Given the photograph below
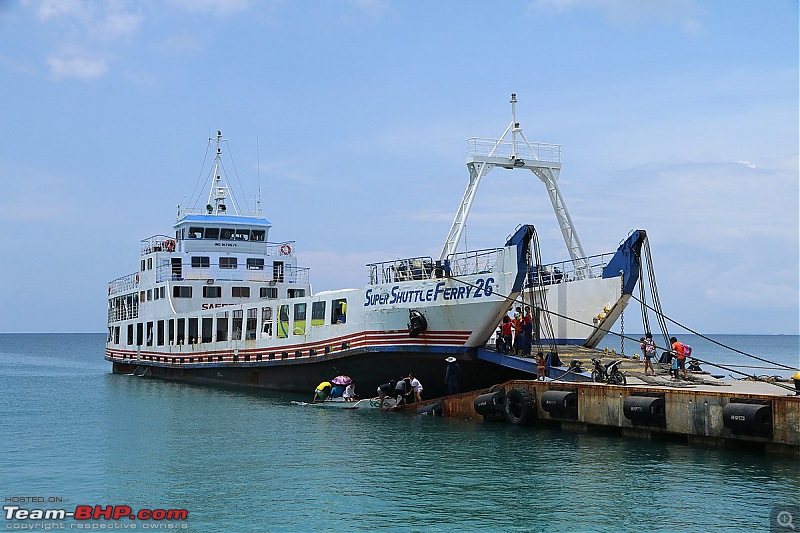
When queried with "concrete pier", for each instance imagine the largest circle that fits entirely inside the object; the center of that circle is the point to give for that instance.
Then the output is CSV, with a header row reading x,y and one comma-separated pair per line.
x,y
722,413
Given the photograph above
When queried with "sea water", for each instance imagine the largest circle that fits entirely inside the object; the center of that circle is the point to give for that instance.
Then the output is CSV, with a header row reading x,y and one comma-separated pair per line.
x,y
73,434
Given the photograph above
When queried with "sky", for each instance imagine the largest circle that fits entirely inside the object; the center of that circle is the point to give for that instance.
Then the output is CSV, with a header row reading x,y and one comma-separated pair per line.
x,y
352,116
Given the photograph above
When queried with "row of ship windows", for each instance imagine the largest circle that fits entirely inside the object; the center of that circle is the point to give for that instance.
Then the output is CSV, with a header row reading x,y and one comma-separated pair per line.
x,y
253,263
214,291
233,325
225,234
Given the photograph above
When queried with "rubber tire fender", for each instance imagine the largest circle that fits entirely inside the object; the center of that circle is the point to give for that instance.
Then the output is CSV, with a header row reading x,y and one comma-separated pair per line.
x,y
520,406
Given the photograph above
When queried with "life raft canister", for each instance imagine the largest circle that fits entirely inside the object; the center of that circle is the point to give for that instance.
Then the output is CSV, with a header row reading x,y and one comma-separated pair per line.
x,y
286,249
416,323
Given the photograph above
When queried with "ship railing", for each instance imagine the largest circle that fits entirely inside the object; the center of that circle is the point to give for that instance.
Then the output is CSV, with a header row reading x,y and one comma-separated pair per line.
x,y
566,271
409,269
419,268
204,211
482,147
289,274
473,262
123,284
156,243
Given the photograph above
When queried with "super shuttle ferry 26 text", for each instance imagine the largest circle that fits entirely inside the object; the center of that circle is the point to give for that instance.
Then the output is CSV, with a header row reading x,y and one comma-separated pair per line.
x,y
398,295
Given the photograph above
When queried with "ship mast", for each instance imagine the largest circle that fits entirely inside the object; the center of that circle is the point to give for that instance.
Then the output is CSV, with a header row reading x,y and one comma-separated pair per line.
x,y
544,160
219,192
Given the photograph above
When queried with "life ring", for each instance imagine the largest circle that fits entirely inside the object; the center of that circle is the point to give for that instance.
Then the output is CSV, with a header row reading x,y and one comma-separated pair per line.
x,y
169,245
286,249
519,407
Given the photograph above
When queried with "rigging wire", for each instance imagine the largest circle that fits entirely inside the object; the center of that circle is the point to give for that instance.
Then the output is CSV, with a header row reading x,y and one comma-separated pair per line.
x,y
721,344
716,365
199,176
238,181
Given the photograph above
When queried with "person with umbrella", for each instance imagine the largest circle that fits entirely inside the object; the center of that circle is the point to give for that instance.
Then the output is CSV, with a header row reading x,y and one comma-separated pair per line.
x,y
339,384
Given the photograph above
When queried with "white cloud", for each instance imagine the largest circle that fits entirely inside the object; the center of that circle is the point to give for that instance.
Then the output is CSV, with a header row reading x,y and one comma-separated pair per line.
x,y
76,67
100,20
218,7
682,13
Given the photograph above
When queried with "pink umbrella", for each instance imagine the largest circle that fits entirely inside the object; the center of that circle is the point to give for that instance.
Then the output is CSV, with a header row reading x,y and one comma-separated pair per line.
x,y
342,380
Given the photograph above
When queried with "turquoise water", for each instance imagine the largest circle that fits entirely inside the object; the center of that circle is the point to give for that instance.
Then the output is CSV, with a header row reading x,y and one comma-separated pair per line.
x,y
251,461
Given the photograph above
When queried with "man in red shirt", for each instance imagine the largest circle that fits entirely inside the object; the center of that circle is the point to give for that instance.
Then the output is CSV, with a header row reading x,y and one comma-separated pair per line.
x,y
677,348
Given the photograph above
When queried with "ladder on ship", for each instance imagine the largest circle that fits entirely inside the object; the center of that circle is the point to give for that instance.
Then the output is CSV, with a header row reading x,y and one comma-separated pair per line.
x,y
509,152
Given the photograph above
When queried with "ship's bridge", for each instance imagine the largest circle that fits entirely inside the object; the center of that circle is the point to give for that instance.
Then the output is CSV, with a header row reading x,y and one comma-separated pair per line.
x,y
223,233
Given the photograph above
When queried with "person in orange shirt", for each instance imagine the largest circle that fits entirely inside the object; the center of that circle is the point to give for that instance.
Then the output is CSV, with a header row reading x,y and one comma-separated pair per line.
x,y
677,347
505,329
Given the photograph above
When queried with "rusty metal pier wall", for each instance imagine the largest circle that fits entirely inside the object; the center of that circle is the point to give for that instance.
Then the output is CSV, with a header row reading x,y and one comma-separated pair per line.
x,y
734,416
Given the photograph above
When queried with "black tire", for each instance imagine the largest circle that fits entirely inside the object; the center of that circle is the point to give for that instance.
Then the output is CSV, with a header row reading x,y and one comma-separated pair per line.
x,y
519,407
619,378
596,377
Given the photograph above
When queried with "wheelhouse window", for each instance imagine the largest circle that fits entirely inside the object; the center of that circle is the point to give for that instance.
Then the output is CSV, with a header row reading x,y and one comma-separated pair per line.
x,y
339,311
240,292
228,262
299,319
212,291
317,313
257,235
268,292
179,291
201,262
206,327
237,325
226,234
222,326
195,233
212,233
266,322
254,263
283,321
242,235
252,323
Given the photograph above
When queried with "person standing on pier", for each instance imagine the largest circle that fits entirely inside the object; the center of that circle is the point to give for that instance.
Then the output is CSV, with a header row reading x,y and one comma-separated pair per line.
x,y
541,370
680,356
505,329
648,347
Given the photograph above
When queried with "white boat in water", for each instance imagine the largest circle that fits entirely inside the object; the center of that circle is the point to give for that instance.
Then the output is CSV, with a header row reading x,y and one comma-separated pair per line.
x,y
341,403
217,302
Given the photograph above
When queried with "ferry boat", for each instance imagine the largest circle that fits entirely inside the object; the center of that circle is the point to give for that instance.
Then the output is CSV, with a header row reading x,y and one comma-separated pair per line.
x,y
217,302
